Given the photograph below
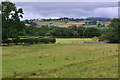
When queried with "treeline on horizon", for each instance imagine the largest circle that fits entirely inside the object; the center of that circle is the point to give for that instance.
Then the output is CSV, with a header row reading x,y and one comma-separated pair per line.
x,y
74,19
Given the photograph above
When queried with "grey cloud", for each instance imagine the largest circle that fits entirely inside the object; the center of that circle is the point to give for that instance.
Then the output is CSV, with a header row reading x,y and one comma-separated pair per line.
x,y
68,9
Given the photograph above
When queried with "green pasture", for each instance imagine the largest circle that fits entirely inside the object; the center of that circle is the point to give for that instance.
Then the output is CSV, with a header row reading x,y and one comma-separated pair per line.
x,y
67,58
51,23
90,25
72,40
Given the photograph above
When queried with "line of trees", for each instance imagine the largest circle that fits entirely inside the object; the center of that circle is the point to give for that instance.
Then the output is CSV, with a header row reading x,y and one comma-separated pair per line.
x,y
77,19
70,32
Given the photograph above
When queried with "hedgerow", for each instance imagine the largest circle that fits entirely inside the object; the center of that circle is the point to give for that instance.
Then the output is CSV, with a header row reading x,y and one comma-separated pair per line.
x,y
30,40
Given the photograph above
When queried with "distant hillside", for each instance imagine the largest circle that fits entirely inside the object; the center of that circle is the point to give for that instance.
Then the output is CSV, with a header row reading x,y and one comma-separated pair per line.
x,y
98,18
75,19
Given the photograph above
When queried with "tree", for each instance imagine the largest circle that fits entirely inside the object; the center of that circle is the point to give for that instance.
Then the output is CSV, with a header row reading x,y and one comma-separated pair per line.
x,y
114,31
86,23
92,32
11,24
73,31
99,25
75,34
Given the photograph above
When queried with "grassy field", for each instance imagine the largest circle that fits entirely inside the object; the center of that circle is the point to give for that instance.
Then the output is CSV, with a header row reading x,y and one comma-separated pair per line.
x,y
51,23
68,58
90,25
55,23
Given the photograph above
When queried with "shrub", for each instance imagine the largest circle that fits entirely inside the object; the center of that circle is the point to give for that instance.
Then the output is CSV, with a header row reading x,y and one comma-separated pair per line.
x,y
40,36
7,41
95,38
16,40
52,40
45,40
103,37
32,40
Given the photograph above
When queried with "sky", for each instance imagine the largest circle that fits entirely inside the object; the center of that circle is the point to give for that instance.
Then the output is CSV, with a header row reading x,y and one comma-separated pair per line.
x,y
39,10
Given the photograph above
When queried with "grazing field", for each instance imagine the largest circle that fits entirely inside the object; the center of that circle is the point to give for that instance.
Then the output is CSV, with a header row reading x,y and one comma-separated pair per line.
x,y
68,58
90,25
51,23
56,23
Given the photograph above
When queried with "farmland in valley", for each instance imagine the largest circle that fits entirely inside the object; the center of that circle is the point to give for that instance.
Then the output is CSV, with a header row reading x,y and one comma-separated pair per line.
x,y
67,58
66,23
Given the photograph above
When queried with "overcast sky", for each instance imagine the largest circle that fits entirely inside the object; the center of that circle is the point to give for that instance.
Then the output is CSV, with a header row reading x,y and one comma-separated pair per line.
x,y
40,10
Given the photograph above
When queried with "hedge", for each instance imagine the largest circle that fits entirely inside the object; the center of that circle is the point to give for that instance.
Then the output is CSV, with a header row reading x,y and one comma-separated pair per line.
x,y
30,40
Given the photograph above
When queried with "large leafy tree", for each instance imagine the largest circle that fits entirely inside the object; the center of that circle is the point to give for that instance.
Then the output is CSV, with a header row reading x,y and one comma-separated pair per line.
x,y
114,30
11,24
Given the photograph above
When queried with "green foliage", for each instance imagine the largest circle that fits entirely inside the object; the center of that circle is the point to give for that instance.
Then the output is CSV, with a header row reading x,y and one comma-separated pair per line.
x,y
92,32
51,39
30,40
6,41
104,30
35,31
114,31
59,32
99,24
73,30
48,40
95,38
11,25
104,37
62,32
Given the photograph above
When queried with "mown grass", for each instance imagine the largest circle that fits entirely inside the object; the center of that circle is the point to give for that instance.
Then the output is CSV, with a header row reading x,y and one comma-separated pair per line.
x,y
67,58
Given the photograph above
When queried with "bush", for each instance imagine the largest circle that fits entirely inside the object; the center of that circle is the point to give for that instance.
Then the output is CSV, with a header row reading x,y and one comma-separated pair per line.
x,y
52,40
40,36
95,38
31,40
45,40
103,37
22,36
6,41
